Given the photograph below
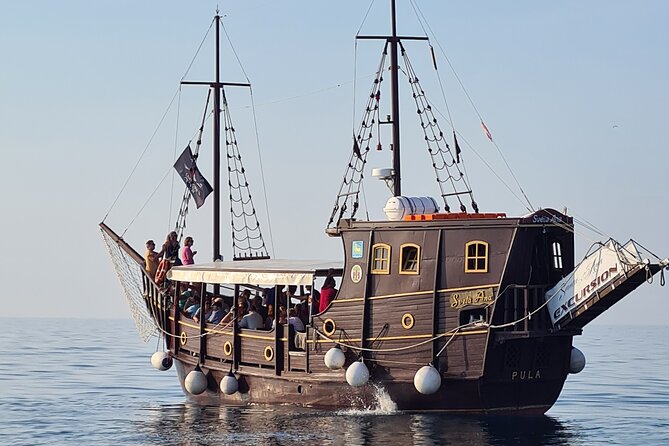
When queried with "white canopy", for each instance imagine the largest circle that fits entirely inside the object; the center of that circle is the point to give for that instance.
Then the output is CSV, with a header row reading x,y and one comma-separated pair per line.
x,y
267,272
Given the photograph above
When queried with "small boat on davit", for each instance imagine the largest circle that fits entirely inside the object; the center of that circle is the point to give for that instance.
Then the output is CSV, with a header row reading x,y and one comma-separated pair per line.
x,y
440,310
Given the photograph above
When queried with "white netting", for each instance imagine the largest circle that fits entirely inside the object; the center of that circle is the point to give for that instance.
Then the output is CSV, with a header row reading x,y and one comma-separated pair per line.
x,y
130,275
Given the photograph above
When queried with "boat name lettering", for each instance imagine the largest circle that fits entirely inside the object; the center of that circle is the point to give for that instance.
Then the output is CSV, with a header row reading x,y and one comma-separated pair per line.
x,y
546,219
525,375
585,293
473,297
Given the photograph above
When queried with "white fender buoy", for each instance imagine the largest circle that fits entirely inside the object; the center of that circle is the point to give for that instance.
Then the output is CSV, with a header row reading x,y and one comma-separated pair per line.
x,y
427,380
357,374
161,360
229,384
196,381
576,360
334,358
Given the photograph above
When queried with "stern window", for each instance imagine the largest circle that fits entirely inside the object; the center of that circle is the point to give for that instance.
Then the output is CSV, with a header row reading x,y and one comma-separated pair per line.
x,y
557,255
476,257
409,259
381,258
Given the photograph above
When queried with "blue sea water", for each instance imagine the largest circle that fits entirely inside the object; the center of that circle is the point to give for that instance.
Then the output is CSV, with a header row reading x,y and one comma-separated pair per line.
x,y
69,381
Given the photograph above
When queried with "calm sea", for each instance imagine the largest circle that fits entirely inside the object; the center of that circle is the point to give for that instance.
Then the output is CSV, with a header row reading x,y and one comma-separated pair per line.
x,y
65,382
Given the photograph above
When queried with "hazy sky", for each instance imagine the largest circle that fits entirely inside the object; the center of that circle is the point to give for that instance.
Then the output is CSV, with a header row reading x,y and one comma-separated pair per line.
x,y
575,94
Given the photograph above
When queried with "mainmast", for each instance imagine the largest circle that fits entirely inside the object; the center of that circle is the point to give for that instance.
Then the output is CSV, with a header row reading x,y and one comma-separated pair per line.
x,y
395,100
394,41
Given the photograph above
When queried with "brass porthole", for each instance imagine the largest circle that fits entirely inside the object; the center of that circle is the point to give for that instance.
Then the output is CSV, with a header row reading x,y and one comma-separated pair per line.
x,y
227,348
183,338
407,321
329,327
268,353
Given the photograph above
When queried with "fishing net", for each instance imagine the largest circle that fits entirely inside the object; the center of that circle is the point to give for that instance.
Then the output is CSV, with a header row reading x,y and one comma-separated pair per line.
x,y
130,275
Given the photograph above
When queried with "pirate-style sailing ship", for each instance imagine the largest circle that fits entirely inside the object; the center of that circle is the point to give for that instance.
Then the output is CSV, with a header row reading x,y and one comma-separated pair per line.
x,y
453,311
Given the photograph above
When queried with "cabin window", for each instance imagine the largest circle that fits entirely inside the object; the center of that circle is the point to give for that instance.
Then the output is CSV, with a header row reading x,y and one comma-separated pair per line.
x,y
472,316
381,258
476,257
557,255
409,258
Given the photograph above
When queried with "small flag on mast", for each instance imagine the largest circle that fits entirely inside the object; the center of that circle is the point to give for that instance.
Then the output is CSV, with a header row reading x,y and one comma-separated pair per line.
x,y
457,148
485,129
356,148
188,171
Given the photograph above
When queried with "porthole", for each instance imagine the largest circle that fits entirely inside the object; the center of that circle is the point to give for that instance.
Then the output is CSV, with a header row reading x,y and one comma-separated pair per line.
x,y
183,338
407,321
329,327
268,353
227,348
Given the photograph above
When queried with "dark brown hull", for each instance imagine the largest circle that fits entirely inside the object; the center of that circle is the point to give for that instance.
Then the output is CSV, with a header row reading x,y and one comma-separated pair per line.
x,y
511,391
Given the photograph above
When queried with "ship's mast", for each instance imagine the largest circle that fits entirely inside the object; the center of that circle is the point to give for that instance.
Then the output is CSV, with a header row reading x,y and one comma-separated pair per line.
x,y
394,82
217,86
216,251
394,41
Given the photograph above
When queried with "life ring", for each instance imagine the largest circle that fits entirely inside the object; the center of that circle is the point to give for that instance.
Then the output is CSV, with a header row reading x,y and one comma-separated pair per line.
x,y
227,348
329,327
408,321
268,353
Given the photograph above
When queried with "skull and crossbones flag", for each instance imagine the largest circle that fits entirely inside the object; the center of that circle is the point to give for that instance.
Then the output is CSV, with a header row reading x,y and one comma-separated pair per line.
x,y
187,168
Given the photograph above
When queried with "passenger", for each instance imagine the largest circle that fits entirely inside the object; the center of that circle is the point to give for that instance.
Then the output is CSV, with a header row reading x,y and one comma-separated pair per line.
x,y
192,304
268,296
252,320
187,253
295,321
257,301
217,312
302,311
314,295
282,317
207,311
244,297
183,299
269,320
192,310
151,259
171,249
328,292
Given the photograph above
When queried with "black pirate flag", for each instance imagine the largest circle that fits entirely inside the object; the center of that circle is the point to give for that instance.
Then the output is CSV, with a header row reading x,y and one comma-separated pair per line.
x,y
188,171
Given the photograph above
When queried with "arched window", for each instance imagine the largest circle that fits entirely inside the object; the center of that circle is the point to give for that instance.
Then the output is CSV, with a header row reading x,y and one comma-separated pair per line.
x,y
381,258
557,255
476,257
409,259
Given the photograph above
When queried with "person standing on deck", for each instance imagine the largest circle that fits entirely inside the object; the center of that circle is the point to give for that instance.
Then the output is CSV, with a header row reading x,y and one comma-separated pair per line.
x,y
187,253
328,292
171,249
151,259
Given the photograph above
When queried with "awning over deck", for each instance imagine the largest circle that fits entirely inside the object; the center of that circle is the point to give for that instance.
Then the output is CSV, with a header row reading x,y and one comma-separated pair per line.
x,y
268,272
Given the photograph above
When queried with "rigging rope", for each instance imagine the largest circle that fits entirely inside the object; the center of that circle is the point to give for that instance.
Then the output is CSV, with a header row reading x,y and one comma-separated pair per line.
x,y
176,142
160,122
262,175
244,221
421,18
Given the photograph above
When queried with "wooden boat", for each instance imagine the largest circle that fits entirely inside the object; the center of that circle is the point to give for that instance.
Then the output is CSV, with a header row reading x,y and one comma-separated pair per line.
x,y
436,311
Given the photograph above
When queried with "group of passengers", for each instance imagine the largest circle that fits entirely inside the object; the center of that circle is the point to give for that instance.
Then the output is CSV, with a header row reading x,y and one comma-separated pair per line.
x,y
256,312
158,263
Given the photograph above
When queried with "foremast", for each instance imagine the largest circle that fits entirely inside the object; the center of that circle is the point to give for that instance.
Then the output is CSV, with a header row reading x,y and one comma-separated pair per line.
x,y
241,204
